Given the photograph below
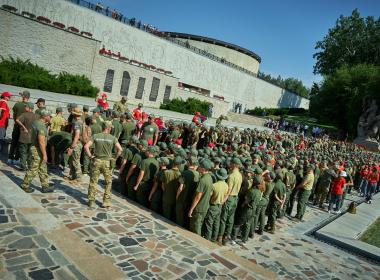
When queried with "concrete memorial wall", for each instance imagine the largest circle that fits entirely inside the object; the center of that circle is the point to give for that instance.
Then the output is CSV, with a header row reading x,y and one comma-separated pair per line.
x,y
59,50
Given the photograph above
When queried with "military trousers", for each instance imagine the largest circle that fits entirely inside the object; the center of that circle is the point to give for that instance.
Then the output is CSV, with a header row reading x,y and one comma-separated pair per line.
x,y
168,210
260,216
142,194
244,224
228,215
156,202
25,155
292,199
100,166
196,222
181,210
13,149
273,209
321,195
212,222
37,167
74,162
303,198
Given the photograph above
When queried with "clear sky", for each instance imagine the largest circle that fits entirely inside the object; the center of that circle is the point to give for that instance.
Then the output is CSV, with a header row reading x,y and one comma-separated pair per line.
x,y
282,32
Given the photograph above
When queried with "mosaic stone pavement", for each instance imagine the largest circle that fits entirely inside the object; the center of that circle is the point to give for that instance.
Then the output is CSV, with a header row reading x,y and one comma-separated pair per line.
x,y
293,255
27,254
142,248
145,248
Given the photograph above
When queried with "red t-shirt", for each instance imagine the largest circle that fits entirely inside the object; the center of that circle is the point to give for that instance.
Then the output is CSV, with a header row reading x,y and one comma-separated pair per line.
x,y
137,113
4,113
195,120
373,178
103,104
338,184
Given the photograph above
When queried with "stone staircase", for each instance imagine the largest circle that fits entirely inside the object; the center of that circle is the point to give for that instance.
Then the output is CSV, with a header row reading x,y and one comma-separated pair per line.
x,y
246,119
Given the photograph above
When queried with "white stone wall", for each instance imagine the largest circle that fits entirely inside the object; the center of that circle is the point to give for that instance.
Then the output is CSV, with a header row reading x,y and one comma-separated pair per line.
x,y
102,64
49,47
73,57
233,56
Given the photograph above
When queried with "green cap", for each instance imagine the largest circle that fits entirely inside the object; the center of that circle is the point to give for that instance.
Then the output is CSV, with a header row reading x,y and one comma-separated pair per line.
x,y
236,161
206,164
45,113
221,174
164,160
29,104
86,108
107,124
178,160
194,161
116,114
163,146
257,180
58,110
151,149
144,143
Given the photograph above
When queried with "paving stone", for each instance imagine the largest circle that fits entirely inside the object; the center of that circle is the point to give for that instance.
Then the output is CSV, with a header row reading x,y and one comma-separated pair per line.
x,y
58,258
20,275
25,230
56,211
22,266
63,274
44,258
23,243
126,241
78,275
42,274
19,260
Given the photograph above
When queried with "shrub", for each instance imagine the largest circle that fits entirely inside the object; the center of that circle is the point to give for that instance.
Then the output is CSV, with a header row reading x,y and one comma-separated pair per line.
x,y
26,74
189,106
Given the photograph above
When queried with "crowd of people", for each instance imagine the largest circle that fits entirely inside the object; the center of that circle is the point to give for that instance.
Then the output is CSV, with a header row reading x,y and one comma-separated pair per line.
x,y
294,127
222,183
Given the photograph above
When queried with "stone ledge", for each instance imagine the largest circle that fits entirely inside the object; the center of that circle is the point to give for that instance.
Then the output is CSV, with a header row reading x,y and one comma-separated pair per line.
x,y
345,231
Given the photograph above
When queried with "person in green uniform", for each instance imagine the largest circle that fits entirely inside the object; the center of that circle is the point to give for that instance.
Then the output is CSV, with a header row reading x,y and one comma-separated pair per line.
x,y
102,163
117,127
295,192
243,222
86,114
263,204
218,196
201,201
25,121
95,126
290,183
40,105
128,127
150,131
134,169
121,106
276,202
57,122
234,182
170,184
39,157
305,191
148,170
155,196
128,152
323,185
18,109
75,149
186,191
97,114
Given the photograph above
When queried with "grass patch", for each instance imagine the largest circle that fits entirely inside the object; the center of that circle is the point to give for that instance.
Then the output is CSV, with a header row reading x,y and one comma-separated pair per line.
x,y
372,234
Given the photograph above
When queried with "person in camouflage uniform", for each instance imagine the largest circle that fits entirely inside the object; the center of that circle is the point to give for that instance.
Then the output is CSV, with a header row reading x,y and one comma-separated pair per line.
x,y
39,157
121,106
75,149
102,163
276,202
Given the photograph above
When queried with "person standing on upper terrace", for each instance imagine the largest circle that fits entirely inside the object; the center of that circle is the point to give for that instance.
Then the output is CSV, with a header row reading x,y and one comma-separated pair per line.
x,y
102,102
4,116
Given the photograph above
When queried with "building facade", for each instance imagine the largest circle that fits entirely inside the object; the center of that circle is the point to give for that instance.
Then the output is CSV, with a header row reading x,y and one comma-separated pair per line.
x,y
126,61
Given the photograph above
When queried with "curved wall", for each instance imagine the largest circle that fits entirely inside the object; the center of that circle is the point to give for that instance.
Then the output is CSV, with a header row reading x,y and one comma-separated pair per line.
x,y
230,55
187,66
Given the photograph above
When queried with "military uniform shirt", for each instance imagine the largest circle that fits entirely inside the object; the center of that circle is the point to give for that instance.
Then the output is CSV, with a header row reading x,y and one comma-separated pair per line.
x,y
205,187
219,191
103,144
18,109
38,129
128,129
95,129
117,128
149,130
189,178
234,182
269,186
170,183
150,167
279,189
27,120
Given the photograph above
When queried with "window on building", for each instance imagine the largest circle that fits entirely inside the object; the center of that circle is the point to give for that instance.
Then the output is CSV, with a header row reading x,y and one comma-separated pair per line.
x,y
168,89
109,80
140,88
154,90
126,80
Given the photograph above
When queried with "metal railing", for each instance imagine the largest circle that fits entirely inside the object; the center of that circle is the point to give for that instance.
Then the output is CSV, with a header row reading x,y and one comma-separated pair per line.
x,y
154,31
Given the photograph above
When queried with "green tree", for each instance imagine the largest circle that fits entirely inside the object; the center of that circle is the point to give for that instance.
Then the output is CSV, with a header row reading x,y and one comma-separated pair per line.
x,y
351,41
340,97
